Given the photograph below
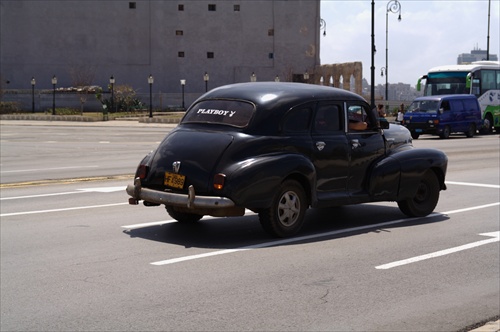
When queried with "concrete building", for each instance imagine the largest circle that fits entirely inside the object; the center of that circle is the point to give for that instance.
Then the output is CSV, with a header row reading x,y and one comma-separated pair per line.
x,y
475,55
86,42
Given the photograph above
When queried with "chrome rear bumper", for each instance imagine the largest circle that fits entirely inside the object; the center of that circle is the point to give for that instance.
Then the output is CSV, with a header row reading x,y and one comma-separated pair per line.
x,y
190,201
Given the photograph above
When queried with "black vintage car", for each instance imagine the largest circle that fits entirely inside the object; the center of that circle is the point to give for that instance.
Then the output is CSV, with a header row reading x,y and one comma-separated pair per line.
x,y
278,149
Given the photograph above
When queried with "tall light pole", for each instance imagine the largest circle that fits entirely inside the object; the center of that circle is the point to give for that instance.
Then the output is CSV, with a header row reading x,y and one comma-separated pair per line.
x,y
112,84
206,78
33,82
54,82
393,6
150,81
183,83
372,68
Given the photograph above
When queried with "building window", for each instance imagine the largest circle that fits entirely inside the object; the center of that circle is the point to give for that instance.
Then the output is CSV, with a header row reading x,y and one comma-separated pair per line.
x,y
131,5
236,8
211,7
270,32
271,55
179,32
180,54
210,55
180,8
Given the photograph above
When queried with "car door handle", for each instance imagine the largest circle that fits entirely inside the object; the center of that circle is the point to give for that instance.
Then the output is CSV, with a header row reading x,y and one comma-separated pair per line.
x,y
320,145
355,143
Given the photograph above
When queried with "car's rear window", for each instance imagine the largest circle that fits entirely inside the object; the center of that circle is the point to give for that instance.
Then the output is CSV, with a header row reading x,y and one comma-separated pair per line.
x,y
234,113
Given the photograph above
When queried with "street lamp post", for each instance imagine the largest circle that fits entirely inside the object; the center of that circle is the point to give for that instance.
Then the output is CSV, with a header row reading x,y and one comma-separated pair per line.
x,y
183,83
306,77
54,82
393,6
372,67
150,81
33,82
112,84
322,26
206,78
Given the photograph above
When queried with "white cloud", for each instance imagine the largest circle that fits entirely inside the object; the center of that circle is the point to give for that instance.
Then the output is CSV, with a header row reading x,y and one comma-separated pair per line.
x,y
431,33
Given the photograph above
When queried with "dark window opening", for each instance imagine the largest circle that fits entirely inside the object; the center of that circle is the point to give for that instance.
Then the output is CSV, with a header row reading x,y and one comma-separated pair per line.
x,y
271,55
210,55
211,7
236,8
180,8
179,32
270,32
180,54
131,5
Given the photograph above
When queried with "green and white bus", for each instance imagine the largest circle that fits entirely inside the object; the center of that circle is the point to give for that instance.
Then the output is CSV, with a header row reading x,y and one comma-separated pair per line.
x,y
481,78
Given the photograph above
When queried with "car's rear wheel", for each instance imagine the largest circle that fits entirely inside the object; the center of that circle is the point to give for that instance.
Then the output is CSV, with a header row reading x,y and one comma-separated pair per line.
x,y
414,135
425,199
285,217
446,132
471,131
183,216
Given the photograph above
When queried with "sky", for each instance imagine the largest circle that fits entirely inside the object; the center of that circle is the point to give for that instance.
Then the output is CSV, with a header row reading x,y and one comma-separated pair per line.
x,y
430,34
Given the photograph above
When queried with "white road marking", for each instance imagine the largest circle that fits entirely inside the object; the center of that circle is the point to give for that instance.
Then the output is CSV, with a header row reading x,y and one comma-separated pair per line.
x,y
495,238
79,191
162,222
495,186
59,210
313,236
47,169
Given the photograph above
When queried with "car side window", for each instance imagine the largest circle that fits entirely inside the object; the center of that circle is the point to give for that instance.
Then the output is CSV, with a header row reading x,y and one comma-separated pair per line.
x,y
358,118
297,120
327,119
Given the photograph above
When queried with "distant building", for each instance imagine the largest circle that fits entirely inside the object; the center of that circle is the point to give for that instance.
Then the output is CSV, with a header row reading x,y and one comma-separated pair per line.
x,y
475,55
87,42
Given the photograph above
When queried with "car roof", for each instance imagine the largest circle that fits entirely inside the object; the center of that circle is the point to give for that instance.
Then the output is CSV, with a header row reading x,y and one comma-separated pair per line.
x,y
273,99
272,94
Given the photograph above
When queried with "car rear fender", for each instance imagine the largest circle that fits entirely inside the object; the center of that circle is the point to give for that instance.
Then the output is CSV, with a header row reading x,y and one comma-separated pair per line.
x,y
252,183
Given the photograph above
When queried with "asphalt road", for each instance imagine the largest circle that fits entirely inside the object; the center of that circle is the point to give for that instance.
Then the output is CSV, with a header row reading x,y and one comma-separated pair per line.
x,y
76,257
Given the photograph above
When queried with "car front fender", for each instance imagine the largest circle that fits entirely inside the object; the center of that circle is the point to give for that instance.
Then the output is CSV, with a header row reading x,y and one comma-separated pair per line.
x,y
397,176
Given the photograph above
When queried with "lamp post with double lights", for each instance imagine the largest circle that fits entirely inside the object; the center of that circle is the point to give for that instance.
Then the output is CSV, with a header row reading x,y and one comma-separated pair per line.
x,y
393,6
54,82
206,78
150,81
183,83
33,82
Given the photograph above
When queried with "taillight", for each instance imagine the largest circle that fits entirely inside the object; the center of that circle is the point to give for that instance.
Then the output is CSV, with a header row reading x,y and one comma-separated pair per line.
x,y
219,180
142,171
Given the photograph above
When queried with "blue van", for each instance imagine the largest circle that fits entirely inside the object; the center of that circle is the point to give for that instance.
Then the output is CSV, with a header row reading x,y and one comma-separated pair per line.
x,y
443,115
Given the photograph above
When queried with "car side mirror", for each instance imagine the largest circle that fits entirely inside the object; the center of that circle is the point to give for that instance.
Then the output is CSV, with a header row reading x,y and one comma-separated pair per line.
x,y
384,124
441,110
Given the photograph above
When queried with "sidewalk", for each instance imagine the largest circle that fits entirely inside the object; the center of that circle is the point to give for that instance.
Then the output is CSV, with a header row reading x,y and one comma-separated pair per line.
x,y
110,123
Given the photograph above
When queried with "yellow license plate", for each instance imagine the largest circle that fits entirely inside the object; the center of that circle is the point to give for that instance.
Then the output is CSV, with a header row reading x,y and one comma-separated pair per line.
x,y
174,180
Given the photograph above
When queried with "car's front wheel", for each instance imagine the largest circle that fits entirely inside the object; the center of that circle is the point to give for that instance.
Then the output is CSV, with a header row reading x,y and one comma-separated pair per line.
x,y
183,216
285,217
425,199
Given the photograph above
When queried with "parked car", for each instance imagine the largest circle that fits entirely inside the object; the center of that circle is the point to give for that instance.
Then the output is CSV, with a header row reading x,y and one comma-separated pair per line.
x,y
443,115
280,148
